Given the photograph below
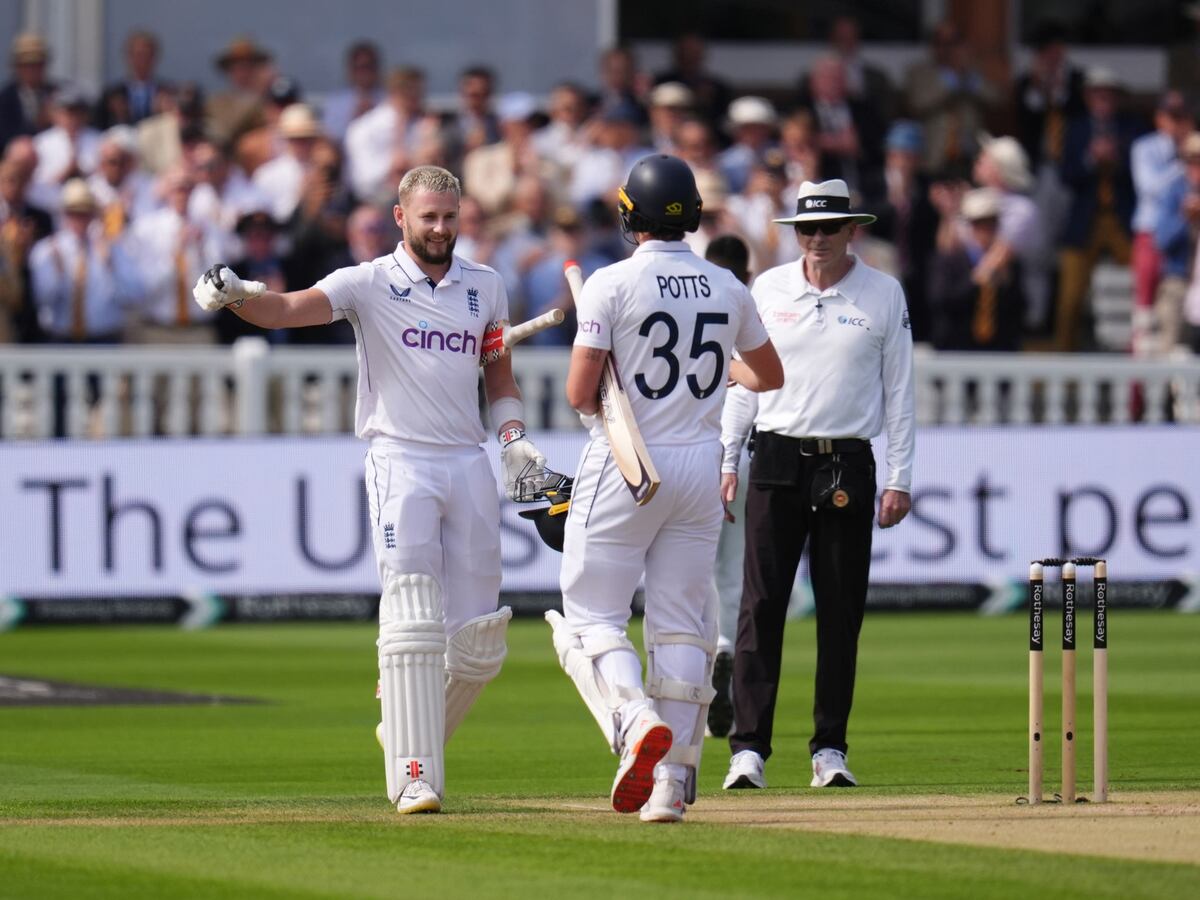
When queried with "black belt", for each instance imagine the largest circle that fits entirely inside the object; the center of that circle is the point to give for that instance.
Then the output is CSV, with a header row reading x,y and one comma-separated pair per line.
x,y
824,446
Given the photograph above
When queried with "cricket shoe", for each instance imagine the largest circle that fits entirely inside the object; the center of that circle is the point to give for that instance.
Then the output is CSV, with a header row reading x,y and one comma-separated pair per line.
x,y
419,797
666,802
829,769
720,711
745,771
647,741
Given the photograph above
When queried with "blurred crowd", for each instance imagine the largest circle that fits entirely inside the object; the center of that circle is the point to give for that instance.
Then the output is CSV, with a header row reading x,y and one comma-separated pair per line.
x,y
996,203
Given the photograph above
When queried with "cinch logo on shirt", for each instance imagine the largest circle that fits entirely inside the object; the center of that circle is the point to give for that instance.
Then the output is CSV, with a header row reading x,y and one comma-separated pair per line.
x,y
591,326
400,295
425,338
850,320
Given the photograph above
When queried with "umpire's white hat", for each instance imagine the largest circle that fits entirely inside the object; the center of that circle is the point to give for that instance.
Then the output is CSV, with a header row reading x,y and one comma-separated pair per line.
x,y
825,200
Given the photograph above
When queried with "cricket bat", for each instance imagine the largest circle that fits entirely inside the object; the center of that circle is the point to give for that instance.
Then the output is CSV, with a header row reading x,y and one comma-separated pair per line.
x,y
499,337
624,437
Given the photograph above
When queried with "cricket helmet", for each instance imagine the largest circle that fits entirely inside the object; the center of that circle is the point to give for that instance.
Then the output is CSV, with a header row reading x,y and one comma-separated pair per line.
x,y
660,193
550,521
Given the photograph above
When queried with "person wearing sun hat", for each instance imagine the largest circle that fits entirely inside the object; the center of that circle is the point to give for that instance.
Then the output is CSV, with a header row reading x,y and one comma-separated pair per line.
x,y
842,330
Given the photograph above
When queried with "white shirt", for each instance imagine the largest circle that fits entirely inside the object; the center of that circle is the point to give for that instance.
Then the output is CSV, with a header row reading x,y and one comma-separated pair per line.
x,y
55,151
847,359
153,243
670,319
111,284
337,110
136,193
372,141
281,180
418,346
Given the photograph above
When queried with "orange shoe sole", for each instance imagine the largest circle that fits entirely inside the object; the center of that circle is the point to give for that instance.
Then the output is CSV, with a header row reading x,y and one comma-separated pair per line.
x,y
633,786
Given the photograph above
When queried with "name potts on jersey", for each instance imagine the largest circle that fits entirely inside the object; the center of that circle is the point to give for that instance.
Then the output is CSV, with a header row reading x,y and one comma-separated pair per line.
x,y
422,337
683,286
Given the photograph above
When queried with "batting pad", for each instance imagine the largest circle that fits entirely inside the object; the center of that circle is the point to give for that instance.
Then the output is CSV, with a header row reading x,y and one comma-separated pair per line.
x,y
603,700
412,675
474,656
683,655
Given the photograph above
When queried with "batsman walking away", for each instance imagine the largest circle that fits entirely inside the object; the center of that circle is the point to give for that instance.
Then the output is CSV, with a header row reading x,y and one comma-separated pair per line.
x,y
669,320
425,319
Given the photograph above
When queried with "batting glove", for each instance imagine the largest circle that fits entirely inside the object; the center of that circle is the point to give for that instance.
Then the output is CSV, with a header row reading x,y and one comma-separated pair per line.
x,y
516,453
220,287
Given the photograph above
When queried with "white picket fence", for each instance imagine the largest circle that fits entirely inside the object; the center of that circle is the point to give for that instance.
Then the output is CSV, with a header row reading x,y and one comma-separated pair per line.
x,y
254,388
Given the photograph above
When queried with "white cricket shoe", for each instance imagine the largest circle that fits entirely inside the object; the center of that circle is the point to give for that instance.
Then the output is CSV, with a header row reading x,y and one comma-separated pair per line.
x,y
829,769
666,802
646,742
419,797
745,771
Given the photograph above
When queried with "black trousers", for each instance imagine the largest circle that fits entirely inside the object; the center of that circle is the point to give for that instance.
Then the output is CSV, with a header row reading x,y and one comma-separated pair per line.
x,y
780,519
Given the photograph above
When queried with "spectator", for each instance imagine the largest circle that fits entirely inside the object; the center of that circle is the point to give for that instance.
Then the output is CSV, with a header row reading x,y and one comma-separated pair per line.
x,y
369,235
950,98
473,124
475,238
1156,164
162,138
282,91
223,193
135,98
21,225
239,108
621,85
973,308
764,199
751,124
122,191
490,172
544,287
715,218
281,179
25,101
712,95
363,93
670,103
1096,168
618,146
1003,167
906,219
68,149
865,83
83,285
261,261
522,235
801,153
1175,237
697,145
564,139
847,132
382,142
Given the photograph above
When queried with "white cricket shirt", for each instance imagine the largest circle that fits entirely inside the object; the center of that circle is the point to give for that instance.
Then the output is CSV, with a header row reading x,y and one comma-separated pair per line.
x,y
670,320
418,345
847,360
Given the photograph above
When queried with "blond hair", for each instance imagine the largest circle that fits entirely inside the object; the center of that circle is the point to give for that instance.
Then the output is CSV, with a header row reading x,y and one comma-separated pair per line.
x,y
428,178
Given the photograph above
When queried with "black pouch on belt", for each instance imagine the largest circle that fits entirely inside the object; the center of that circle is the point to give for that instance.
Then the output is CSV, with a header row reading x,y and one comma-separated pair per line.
x,y
830,488
776,460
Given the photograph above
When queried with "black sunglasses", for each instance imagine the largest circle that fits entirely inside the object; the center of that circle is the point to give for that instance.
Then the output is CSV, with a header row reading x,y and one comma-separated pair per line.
x,y
827,226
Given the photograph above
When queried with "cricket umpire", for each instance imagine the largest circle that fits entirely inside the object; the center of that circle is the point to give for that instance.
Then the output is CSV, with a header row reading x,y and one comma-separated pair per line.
x,y
843,334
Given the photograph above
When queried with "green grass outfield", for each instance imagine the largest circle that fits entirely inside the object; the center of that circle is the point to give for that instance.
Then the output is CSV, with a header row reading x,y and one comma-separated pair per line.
x,y
285,799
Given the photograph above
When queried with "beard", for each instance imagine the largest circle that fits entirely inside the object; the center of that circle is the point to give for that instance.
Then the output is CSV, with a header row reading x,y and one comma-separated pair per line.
x,y
425,253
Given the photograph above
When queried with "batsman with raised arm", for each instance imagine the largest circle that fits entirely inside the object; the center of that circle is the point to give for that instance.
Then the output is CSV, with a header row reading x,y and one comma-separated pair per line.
x,y
423,317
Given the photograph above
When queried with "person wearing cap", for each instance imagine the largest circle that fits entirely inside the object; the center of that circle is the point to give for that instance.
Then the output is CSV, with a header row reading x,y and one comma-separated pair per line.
x,y
134,98
842,330
1096,169
384,140
363,91
70,147
971,308
83,285
905,218
670,102
1175,237
1156,164
281,179
490,172
25,101
751,123
239,108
